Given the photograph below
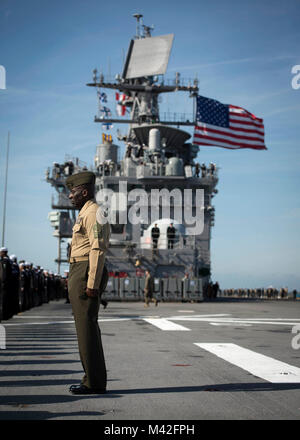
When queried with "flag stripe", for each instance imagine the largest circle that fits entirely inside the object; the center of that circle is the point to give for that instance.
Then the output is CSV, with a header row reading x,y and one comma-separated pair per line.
x,y
245,115
236,133
242,130
228,138
234,108
246,123
246,128
245,144
215,143
235,126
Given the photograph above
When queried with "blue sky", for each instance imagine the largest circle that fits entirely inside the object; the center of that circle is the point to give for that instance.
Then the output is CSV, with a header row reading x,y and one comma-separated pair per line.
x,y
242,53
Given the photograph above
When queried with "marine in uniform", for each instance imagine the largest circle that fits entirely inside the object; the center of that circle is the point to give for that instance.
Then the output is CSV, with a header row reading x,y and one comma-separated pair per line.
x,y
149,289
87,272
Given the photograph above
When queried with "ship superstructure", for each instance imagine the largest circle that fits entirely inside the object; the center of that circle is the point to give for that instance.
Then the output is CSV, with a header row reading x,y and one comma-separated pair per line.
x,y
159,160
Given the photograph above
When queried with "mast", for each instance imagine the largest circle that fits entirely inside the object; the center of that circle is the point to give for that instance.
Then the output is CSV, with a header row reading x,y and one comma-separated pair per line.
x,y
142,80
138,17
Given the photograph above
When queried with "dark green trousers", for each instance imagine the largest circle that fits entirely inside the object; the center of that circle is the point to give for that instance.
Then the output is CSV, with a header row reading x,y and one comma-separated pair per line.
x,y
85,311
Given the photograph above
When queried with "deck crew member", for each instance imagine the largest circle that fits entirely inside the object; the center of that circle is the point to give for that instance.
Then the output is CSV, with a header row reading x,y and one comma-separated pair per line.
x,y
171,232
90,241
155,233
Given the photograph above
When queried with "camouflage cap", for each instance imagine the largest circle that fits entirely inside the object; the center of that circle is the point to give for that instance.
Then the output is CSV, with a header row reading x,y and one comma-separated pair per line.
x,y
80,179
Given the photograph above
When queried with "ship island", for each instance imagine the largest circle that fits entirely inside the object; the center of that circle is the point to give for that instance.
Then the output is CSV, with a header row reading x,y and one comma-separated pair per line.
x,y
160,162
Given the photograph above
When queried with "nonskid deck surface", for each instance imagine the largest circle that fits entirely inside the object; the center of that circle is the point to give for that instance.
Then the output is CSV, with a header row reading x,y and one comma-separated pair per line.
x,y
177,361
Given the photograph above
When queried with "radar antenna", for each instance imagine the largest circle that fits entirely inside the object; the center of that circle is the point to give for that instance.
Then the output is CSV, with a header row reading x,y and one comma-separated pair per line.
x,y
147,30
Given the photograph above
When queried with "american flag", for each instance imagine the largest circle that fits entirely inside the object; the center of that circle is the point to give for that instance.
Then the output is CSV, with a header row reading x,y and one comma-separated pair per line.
x,y
227,126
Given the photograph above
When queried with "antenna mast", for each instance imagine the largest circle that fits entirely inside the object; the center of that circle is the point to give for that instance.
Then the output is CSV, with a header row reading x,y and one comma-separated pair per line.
x,y
138,17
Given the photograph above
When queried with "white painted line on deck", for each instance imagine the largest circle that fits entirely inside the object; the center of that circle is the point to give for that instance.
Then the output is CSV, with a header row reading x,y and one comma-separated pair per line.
x,y
165,324
60,322
198,317
21,324
272,319
230,324
40,316
234,321
257,364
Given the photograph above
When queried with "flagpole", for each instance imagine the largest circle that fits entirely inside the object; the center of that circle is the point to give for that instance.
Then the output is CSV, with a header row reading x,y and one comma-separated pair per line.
x,y
5,191
196,83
